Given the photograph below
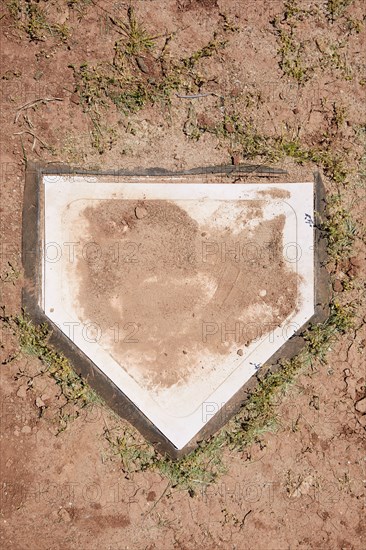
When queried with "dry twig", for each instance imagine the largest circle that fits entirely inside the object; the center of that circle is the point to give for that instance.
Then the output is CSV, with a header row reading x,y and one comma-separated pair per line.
x,y
33,103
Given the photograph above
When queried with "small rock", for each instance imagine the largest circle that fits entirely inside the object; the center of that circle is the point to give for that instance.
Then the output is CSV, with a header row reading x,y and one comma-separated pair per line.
x,y
142,65
140,212
262,293
240,352
74,98
151,496
229,127
149,66
236,91
360,406
38,75
235,159
26,430
331,267
337,286
45,397
296,111
40,403
124,226
362,420
22,392
204,121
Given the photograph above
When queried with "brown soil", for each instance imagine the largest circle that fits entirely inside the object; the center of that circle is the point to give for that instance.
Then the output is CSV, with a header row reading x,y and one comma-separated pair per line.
x,y
178,289
301,486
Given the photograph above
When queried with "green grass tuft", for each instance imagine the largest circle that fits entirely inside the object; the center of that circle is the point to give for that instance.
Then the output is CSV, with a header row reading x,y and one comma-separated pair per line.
x,y
339,229
31,18
33,340
135,77
336,8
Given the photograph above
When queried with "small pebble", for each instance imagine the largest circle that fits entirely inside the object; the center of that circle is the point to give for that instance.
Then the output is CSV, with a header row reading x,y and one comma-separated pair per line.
x,y
74,98
26,430
262,293
361,405
124,226
362,421
240,352
337,286
22,392
235,159
229,127
140,212
40,403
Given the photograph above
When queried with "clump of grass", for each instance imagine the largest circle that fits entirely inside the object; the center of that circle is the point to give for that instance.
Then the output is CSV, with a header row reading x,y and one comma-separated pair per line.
x,y
135,77
320,337
243,135
31,18
78,3
339,229
11,274
33,340
258,414
135,38
103,137
135,453
291,56
291,10
353,25
291,51
196,470
337,59
336,8
213,46
339,115
331,162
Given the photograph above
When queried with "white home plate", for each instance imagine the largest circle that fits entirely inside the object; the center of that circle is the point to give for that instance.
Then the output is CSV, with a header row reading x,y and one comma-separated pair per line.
x,y
178,292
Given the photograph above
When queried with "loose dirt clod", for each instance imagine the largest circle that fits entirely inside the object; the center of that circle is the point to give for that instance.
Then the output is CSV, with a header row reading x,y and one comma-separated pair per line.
x,y
361,405
22,392
40,403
